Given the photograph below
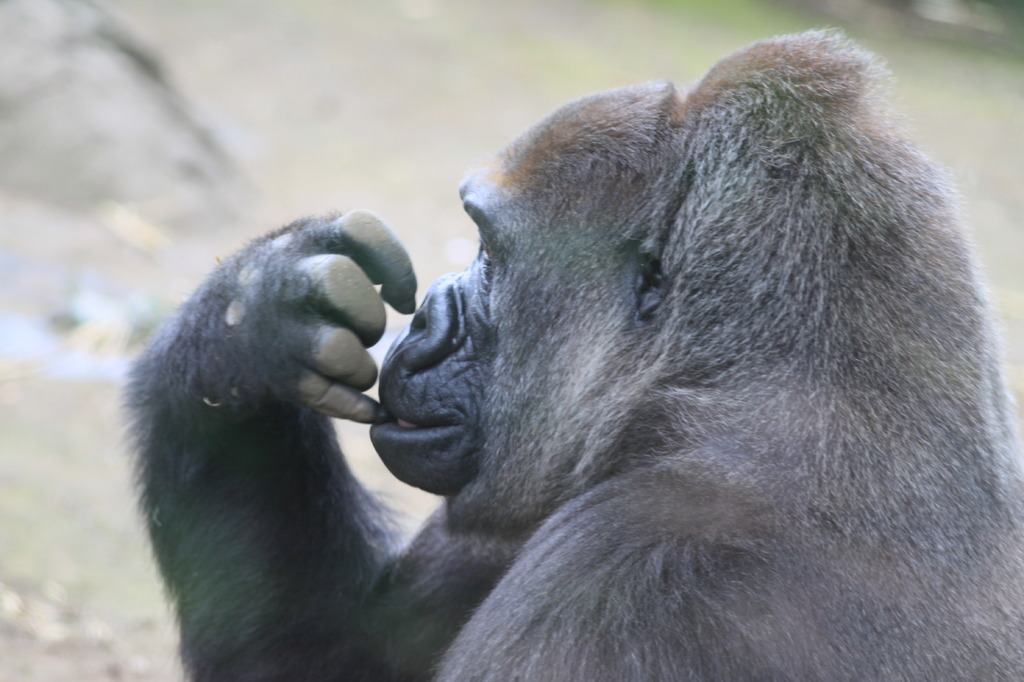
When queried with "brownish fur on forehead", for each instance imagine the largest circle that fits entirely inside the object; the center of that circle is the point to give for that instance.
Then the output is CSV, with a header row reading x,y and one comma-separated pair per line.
x,y
614,128
795,83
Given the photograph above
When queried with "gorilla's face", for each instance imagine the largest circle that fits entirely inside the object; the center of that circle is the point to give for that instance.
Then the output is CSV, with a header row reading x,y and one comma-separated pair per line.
x,y
524,368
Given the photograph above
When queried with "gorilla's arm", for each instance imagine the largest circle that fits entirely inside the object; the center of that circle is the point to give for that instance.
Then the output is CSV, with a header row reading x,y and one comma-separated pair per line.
x,y
280,564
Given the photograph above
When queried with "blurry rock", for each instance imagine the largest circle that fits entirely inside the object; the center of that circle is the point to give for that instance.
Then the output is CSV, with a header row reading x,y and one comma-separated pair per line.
x,y
86,116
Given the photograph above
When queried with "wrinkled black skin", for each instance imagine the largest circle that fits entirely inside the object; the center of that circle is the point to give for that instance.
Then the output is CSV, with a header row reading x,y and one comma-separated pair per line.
x,y
434,376
720,400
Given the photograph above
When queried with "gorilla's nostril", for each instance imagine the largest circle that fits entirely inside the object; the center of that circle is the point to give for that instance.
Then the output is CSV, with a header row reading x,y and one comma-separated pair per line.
x,y
435,329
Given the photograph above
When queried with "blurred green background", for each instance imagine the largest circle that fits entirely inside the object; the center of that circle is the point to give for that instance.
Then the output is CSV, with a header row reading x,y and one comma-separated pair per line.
x,y
140,143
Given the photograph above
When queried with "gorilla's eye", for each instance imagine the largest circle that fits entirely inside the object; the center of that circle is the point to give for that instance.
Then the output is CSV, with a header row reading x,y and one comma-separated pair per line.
x,y
649,289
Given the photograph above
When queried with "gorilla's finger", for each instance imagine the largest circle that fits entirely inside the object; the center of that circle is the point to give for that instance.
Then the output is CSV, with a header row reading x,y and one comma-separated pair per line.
x,y
347,292
336,400
376,247
338,353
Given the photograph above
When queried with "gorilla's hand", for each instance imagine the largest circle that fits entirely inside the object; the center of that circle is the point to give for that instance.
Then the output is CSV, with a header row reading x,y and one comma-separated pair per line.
x,y
299,308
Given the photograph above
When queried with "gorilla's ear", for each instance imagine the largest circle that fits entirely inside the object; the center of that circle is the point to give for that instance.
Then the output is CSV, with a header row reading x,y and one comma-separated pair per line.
x,y
792,88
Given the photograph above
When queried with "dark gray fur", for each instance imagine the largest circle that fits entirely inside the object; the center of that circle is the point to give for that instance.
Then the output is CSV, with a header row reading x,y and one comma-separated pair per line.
x,y
720,400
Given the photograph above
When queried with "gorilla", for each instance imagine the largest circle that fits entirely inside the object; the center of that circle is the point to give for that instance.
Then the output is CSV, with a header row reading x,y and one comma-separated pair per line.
x,y
719,399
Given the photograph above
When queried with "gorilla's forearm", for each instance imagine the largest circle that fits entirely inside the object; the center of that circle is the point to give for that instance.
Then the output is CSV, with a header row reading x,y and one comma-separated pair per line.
x,y
280,564
264,538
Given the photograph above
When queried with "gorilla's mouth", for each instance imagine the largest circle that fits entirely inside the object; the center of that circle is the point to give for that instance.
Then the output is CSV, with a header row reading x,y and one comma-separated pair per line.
x,y
407,418
429,389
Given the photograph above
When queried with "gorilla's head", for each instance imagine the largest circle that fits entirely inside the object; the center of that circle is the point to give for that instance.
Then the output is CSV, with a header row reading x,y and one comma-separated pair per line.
x,y
660,268
538,349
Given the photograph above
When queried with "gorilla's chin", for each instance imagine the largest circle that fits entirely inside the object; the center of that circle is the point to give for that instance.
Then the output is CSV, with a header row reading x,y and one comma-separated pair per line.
x,y
438,459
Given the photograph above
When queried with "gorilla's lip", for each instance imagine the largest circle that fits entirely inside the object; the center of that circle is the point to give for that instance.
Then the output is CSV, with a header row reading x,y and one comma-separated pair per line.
x,y
416,431
439,459
406,425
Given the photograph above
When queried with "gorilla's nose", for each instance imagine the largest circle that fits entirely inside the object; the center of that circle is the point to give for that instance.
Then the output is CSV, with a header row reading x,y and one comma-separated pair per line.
x,y
434,332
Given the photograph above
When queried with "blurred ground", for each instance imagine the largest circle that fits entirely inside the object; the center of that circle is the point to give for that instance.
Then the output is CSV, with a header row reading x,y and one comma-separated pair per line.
x,y
329,105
